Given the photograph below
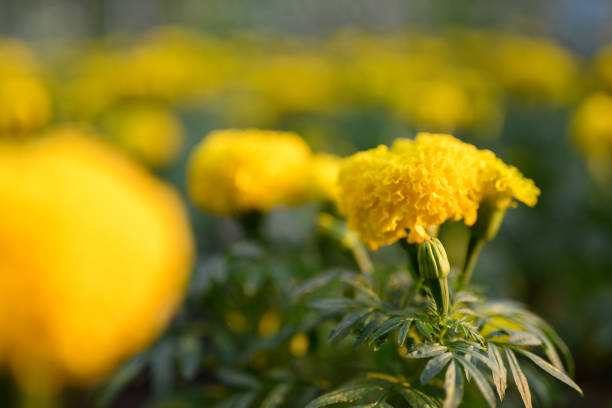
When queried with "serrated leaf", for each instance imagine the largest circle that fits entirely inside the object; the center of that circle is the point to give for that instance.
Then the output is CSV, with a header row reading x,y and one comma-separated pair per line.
x,y
276,396
425,329
385,328
550,369
364,290
349,393
434,366
466,297
342,328
519,378
453,386
417,398
425,350
500,376
480,380
367,330
403,331
314,283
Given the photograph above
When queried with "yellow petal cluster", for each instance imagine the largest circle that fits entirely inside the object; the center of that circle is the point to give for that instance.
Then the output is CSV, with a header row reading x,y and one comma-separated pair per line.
x,y
234,171
94,256
388,194
150,133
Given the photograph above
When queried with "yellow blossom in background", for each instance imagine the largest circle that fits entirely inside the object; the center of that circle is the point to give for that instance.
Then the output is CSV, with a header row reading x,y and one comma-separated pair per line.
x,y
150,133
591,130
388,194
269,324
322,183
298,345
94,257
534,68
25,105
234,171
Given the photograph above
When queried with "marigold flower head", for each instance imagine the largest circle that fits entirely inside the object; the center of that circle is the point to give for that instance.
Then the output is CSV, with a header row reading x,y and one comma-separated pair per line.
x,y
151,133
25,104
94,256
388,194
592,132
234,171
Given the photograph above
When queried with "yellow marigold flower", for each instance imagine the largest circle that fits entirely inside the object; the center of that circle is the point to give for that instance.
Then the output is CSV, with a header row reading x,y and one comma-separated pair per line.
x,y
151,133
269,324
94,256
388,194
603,66
234,171
592,132
25,104
500,183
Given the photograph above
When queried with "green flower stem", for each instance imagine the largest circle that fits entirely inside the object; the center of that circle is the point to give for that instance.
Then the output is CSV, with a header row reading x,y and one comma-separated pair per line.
x,y
362,258
474,247
251,224
411,250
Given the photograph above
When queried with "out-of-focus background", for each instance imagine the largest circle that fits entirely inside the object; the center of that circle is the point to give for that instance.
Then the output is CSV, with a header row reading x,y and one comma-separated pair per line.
x,y
531,80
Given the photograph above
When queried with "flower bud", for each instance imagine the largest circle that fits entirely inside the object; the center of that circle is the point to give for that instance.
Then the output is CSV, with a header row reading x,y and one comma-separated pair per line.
x,y
489,221
433,262
434,268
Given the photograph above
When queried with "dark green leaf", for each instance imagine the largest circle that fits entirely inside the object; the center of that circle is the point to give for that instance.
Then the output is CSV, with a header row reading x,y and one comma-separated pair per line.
x,y
336,304
237,378
189,354
367,330
519,377
350,393
453,386
550,369
123,376
425,329
386,327
434,366
347,322
402,333
162,368
418,399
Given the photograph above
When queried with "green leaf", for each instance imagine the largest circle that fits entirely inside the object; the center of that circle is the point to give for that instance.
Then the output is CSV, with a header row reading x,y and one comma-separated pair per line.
x,y
242,400
520,338
349,393
347,322
500,376
370,295
425,328
481,381
162,368
367,330
189,354
310,285
425,350
276,396
417,398
519,378
123,376
550,369
453,386
402,333
336,304
237,378
386,327
434,366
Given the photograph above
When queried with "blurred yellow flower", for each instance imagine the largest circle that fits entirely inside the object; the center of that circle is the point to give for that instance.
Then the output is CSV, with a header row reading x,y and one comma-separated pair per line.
x,y
298,345
420,184
25,104
94,256
150,133
234,171
534,68
323,177
269,324
603,66
592,132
